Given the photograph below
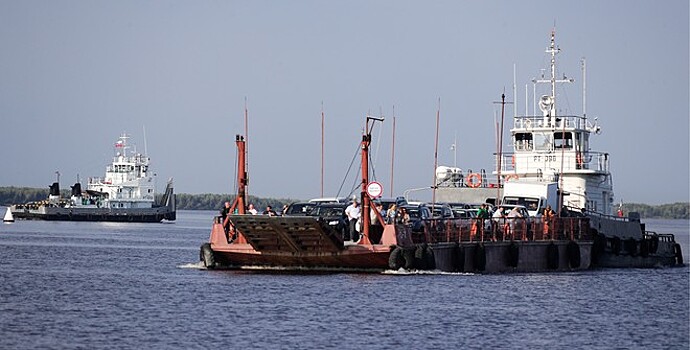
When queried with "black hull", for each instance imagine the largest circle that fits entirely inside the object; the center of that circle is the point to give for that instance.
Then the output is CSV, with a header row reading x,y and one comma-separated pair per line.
x,y
155,214
98,217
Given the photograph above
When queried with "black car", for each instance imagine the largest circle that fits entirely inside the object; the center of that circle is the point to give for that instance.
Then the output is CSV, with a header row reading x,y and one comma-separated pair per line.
x,y
334,215
387,202
299,209
418,216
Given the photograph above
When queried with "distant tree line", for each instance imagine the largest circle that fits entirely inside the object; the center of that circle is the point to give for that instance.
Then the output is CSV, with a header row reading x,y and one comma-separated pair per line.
x,y
680,210
210,201
206,201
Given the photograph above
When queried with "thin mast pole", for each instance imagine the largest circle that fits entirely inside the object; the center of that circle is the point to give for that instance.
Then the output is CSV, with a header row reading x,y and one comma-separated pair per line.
x,y
322,146
500,143
515,90
393,152
246,147
584,87
438,117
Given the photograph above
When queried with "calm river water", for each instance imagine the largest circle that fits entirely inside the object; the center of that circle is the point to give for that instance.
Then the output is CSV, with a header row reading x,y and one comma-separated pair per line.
x,y
126,286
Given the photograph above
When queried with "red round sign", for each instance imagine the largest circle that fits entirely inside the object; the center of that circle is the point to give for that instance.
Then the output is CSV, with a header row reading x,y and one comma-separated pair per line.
x,y
374,189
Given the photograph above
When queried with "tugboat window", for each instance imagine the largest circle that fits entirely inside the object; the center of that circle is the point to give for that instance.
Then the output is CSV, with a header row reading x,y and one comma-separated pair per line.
x,y
523,141
543,141
563,140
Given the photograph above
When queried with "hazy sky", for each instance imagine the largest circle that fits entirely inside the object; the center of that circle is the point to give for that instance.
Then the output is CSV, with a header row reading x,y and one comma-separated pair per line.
x,y
76,74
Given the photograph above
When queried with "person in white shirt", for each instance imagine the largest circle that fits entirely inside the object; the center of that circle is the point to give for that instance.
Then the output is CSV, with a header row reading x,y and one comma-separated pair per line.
x,y
252,210
353,214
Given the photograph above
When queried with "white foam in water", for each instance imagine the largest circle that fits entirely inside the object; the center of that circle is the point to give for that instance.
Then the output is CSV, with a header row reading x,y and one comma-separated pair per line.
x,y
199,265
402,272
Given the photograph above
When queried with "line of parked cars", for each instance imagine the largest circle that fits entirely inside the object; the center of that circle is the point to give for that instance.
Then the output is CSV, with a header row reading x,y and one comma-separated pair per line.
x,y
332,211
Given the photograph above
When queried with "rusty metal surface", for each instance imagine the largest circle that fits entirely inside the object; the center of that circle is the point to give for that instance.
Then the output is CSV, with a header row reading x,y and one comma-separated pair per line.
x,y
289,234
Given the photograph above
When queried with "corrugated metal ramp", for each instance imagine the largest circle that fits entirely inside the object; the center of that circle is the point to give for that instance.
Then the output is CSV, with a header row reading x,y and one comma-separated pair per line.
x,y
288,234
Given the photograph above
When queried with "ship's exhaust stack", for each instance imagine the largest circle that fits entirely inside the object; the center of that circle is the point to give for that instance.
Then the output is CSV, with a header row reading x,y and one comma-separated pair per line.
x,y
168,200
76,190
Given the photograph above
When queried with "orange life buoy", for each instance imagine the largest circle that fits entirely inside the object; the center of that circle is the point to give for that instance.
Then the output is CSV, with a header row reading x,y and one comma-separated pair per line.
x,y
513,160
511,177
474,180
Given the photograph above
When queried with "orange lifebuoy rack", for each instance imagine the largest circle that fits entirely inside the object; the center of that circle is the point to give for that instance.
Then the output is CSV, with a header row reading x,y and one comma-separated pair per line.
x,y
511,177
474,180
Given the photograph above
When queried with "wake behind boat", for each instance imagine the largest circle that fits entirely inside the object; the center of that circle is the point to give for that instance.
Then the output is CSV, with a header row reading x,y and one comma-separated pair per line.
x,y
126,194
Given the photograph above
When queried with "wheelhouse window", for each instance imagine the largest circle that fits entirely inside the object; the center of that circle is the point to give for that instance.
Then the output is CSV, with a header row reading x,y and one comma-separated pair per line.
x,y
523,141
543,141
563,140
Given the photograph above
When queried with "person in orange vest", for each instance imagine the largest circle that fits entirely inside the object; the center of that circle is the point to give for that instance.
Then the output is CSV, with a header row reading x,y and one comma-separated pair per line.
x,y
548,220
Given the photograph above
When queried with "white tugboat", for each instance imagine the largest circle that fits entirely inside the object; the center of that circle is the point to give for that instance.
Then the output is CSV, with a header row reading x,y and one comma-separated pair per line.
x,y
552,152
126,193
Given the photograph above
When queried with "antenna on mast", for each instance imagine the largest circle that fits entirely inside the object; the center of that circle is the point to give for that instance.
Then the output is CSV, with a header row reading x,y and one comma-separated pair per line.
x,y
438,117
146,152
584,87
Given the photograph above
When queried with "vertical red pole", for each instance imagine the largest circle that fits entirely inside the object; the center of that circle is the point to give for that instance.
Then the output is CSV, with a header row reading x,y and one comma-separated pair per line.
x,y
366,204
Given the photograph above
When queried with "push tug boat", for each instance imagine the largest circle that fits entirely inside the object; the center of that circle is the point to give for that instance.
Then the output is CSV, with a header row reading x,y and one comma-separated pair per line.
x,y
127,194
553,151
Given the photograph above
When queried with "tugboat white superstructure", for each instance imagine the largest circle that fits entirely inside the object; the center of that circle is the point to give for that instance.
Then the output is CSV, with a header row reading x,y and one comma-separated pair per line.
x,y
552,151
126,193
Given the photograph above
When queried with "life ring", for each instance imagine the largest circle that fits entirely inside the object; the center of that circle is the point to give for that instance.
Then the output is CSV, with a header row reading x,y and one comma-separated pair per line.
x,y
511,177
578,158
512,159
474,180
528,123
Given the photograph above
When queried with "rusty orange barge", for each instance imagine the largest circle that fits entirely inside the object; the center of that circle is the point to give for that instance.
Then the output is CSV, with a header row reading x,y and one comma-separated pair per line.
x,y
240,241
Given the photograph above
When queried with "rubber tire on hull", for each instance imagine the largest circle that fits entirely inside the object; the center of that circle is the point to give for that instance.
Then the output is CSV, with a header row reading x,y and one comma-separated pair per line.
x,y
616,245
512,255
459,263
644,247
429,258
552,256
679,254
396,260
654,244
408,254
420,257
480,257
206,255
631,246
574,255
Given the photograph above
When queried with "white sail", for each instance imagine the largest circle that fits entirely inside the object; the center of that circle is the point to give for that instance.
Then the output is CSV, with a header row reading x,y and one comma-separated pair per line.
x,y
8,216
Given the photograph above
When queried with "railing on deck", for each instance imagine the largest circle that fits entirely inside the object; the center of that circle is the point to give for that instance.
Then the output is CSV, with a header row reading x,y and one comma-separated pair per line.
x,y
522,161
504,229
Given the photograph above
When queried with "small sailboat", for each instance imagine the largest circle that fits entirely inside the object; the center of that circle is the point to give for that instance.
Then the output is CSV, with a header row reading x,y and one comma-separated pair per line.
x,y
8,216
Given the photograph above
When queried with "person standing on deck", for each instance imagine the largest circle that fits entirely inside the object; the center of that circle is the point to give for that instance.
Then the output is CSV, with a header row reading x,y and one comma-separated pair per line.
x,y
252,210
224,217
548,221
353,214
